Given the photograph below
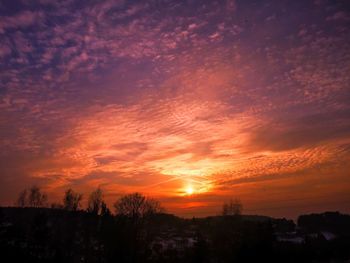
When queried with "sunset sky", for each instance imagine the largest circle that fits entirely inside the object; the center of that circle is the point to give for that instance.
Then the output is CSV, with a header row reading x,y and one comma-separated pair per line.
x,y
190,102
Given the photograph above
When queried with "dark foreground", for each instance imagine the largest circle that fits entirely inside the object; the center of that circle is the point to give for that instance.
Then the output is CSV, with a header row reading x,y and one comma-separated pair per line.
x,y
54,235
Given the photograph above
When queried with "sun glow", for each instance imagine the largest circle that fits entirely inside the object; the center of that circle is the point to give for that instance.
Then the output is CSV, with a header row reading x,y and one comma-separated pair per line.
x,y
189,190
195,186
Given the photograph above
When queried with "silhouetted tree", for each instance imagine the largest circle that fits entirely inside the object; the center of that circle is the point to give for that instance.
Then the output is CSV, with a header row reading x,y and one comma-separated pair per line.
x,y
232,208
96,203
22,199
36,197
136,211
105,210
137,206
71,200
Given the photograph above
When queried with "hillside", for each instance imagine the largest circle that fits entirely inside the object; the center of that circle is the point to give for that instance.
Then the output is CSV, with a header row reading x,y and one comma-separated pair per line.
x,y
56,235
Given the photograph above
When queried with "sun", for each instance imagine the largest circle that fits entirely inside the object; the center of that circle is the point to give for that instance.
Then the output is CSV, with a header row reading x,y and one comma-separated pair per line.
x,y
189,190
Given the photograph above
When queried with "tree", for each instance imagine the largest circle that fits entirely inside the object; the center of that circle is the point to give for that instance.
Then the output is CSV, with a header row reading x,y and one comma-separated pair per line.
x,y
22,199
71,200
36,197
95,202
105,210
232,208
137,206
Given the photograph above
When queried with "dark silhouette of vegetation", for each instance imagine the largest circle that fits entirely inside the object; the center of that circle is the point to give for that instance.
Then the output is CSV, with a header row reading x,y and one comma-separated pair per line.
x,y
140,231
72,200
329,221
137,206
96,205
22,199
32,197
232,208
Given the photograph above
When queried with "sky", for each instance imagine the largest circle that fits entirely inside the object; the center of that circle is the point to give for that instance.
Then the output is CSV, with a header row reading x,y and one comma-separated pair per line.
x,y
189,102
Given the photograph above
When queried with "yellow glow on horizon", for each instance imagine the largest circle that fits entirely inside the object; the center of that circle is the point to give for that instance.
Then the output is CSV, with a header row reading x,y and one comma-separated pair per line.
x,y
189,190
195,187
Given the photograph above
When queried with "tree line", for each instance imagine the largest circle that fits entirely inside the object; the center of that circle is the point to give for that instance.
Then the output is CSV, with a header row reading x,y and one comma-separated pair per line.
x,y
131,205
139,231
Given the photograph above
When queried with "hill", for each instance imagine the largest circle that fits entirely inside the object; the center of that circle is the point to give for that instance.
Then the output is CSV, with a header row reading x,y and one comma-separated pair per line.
x,y
56,235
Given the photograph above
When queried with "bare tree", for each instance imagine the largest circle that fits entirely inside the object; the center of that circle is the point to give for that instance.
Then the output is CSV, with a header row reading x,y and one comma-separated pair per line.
x,y
22,199
232,208
36,197
95,202
105,210
137,206
71,200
